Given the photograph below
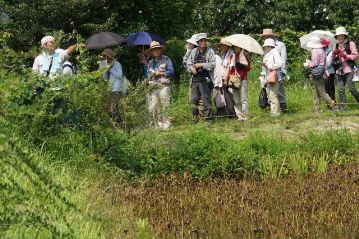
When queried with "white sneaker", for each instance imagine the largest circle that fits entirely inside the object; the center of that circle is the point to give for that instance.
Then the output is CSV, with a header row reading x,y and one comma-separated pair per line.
x,y
242,118
164,124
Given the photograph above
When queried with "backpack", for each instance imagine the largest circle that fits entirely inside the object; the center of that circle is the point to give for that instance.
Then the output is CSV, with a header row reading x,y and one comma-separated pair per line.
x,y
73,68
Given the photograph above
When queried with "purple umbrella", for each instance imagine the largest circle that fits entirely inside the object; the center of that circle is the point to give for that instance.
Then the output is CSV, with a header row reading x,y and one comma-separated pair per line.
x,y
144,38
104,39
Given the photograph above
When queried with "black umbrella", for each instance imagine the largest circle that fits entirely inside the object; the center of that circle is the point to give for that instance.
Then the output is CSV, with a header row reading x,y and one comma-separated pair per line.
x,y
104,39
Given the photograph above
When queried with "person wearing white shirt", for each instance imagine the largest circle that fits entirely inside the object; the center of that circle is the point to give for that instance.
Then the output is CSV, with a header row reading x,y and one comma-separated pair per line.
x,y
50,62
280,47
272,62
221,71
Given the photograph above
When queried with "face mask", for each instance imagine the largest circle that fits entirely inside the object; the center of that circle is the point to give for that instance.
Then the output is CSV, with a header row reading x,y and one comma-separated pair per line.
x,y
102,63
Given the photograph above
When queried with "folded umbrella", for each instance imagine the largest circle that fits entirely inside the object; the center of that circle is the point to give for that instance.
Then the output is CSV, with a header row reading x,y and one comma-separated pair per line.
x,y
104,39
319,33
245,42
143,39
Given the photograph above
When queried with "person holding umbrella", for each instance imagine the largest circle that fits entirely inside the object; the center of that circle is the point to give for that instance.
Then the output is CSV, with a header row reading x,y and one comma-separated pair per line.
x,y
160,70
345,54
226,48
317,67
112,72
239,65
201,64
282,72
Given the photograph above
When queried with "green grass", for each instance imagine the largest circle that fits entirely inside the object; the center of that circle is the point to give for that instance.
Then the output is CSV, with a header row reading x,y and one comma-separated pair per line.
x,y
69,180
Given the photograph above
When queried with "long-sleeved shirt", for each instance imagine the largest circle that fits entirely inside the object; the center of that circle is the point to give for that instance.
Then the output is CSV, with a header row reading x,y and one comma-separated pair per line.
x,y
273,61
154,65
115,77
318,58
329,61
353,56
209,65
218,72
283,54
239,63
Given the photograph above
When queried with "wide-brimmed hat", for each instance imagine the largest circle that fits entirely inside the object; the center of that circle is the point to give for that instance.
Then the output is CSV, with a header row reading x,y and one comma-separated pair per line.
x,y
223,42
193,40
46,39
267,32
269,42
109,53
341,31
314,42
201,36
325,42
154,45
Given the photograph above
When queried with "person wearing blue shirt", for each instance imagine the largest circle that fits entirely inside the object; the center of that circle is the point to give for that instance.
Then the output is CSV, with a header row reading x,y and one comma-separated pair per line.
x,y
160,70
114,75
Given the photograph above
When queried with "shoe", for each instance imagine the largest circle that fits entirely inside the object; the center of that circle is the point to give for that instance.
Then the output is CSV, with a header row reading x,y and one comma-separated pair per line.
x,y
164,124
242,118
283,107
195,120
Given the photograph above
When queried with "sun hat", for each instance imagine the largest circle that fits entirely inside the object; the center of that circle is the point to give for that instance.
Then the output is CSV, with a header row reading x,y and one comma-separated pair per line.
x,y
154,45
109,53
269,42
341,31
193,40
46,39
267,32
223,42
201,36
314,42
325,42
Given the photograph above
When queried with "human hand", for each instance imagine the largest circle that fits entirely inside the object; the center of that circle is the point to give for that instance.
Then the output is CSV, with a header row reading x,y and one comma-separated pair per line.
x,y
343,54
158,74
194,71
80,45
108,66
336,51
198,65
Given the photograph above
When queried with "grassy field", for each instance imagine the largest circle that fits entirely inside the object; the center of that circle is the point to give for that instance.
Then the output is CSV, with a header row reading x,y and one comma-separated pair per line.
x,y
294,176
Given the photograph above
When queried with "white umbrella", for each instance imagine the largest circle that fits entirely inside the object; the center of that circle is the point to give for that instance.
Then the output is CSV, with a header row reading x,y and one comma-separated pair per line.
x,y
245,42
319,33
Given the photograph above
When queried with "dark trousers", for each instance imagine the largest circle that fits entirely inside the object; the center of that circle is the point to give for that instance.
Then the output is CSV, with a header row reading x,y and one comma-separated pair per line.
x,y
114,106
342,81
330,86
228,96
200,90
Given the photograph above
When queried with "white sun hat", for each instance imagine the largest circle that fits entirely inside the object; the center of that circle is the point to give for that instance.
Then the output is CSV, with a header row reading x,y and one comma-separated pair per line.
x,y
314,42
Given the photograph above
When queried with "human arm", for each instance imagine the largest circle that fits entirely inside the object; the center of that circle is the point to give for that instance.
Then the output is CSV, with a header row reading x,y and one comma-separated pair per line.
x,y
169,68
211,61
190,63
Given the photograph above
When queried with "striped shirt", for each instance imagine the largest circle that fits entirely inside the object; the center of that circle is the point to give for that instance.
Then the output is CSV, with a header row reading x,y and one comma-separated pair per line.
x,y
202,74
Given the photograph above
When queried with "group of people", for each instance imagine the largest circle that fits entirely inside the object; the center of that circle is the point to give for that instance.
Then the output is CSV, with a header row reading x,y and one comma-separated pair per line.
x,y
326,63
222,77
226,76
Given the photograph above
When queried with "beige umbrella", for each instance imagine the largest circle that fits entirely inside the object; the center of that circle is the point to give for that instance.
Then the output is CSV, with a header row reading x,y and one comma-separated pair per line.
x,y
245,42
319,33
